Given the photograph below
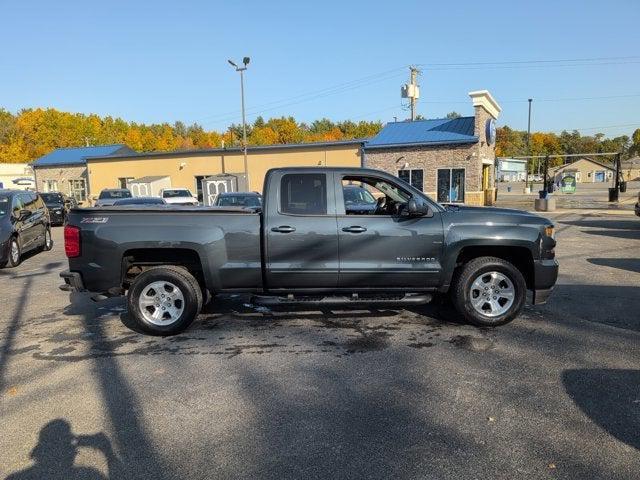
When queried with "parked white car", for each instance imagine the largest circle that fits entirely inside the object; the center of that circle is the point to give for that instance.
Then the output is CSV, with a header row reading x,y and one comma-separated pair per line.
x,y
178,196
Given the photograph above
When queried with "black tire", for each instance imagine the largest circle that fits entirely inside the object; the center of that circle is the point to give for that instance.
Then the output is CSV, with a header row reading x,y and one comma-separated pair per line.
x,y
11,262
461,293
48,244
188,287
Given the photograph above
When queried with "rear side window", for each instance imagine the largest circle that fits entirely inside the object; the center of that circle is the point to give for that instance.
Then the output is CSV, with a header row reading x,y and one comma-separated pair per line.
x,y
29,201
303,194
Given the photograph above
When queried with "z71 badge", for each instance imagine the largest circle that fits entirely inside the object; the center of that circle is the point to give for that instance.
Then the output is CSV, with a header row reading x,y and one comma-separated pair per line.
x,y
94,220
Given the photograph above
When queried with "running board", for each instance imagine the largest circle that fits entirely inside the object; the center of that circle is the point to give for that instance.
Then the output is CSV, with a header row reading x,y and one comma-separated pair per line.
x,y
353,299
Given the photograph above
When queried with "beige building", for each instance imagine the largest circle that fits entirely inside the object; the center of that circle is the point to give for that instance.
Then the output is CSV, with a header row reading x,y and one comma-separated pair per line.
x,y
209,172
584,170
451,159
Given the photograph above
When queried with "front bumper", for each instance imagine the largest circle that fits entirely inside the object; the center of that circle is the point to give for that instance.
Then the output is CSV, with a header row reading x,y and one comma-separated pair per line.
x,y
545,276
72,282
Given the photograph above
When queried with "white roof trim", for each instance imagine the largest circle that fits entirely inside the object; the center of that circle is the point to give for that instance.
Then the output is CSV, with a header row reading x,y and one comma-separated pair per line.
x,y
482,98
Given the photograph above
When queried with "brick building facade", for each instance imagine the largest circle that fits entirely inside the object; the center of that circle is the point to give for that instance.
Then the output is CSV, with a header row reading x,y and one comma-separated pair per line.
x,y
452,160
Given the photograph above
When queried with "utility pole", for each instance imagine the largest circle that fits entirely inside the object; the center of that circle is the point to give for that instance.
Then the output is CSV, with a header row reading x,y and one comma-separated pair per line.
x,y
411,90
526,181
413,98
245,62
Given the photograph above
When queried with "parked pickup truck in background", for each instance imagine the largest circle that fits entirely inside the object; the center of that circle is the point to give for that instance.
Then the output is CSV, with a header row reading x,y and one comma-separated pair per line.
x,y
305,245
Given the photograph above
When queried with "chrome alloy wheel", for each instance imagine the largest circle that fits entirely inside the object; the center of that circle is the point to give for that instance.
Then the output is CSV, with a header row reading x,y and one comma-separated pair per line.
x,y
492,294
15,252
161,303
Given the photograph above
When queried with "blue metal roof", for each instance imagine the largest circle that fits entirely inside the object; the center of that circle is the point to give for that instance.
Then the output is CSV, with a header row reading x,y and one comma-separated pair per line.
x,y
438,131
78,156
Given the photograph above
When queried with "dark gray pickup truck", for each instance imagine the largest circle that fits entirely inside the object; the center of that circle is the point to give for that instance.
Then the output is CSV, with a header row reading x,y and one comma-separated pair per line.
x,y
305,246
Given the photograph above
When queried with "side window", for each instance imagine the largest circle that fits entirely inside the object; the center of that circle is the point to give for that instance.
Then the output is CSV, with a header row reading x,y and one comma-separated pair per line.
x,y
303,194
17,205
39,202
373,196
28,201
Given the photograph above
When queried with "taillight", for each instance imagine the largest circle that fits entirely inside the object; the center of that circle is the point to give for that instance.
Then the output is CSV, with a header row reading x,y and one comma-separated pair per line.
x,y
71,241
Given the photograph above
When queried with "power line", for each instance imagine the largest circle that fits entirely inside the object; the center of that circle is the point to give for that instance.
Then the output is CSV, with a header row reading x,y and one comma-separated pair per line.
x,y
312,95
392,73
520,62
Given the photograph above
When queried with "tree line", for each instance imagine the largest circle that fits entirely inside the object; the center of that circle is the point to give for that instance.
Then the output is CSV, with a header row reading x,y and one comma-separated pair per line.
x,y
513,143
31,133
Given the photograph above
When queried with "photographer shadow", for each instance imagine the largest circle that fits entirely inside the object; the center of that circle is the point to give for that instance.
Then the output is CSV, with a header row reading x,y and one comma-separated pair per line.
x,y
55,453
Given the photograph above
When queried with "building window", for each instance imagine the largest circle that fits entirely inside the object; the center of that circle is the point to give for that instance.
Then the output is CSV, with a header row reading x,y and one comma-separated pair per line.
x,y
304,194
415,178
50,186
123,182
451,185
78,190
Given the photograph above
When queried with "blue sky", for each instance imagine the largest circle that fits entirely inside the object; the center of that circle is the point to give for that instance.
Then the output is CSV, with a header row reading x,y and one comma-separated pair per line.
x,y
166,61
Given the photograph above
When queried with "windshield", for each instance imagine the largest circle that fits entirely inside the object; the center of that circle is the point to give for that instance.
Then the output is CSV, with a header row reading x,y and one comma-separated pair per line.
x,y
357,195
51,198
238,201
115,194
5,205
176,193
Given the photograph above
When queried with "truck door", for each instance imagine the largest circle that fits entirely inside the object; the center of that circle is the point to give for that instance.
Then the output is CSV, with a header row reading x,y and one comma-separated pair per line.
x,y
380,247
301,247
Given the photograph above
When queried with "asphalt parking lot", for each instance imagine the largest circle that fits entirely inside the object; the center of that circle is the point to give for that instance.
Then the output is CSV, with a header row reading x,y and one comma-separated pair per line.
x,y
252,393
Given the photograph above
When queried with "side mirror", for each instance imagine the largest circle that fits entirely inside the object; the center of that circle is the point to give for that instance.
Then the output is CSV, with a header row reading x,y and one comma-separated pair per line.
x,y
415,210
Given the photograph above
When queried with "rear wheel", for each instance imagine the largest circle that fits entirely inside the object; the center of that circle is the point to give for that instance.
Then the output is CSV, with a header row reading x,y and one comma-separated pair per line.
x,y
489,291
164,300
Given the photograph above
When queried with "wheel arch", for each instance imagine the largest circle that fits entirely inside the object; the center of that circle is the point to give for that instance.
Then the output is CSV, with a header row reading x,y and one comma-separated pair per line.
x,y
137,260
518,255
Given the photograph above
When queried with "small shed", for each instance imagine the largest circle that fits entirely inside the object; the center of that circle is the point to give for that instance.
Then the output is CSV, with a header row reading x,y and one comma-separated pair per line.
x,y
223,183
149,186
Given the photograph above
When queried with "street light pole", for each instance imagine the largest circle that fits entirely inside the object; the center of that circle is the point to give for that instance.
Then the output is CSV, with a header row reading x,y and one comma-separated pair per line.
x,y
245,62
526,181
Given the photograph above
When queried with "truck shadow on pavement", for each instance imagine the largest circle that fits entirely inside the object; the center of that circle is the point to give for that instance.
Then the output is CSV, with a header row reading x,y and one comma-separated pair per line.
x,y
610,398
55,453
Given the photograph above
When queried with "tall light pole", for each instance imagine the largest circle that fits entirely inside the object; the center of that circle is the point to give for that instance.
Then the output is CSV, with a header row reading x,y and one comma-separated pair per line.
x,y
528,142
245,62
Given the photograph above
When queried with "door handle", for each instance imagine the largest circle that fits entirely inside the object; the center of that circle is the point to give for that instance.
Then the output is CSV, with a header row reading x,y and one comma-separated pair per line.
x,y
283,229
354,229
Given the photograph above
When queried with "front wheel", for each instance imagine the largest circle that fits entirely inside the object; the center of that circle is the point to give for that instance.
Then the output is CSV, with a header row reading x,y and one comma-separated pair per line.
x,y
164,300
489,292
14,256
48,242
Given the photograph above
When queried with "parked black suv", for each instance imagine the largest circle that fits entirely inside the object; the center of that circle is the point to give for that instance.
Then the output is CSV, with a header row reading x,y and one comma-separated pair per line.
x,y
24,225
58,206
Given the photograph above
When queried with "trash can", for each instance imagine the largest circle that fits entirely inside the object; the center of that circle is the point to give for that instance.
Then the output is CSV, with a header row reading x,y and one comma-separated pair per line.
x,y
613,195
509,188
623,187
